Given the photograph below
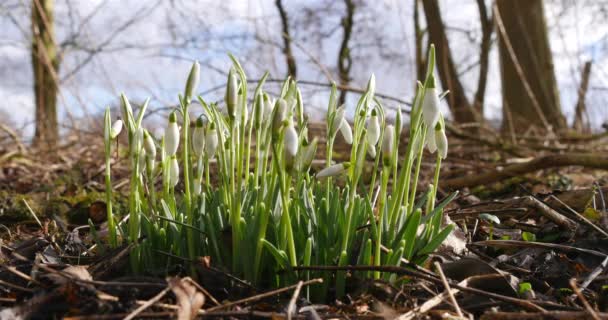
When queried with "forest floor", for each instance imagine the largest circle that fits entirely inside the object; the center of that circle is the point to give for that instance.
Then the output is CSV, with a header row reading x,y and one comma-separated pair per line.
x,y
531,242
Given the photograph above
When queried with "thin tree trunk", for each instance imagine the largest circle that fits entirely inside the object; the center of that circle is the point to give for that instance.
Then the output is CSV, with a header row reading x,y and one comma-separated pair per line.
x,y
344,56
45,64
580,124
290,59
528,77
487,27
460,107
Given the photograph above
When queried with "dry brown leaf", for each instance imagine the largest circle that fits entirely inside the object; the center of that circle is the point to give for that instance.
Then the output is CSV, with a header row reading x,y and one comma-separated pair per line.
x,y
189,300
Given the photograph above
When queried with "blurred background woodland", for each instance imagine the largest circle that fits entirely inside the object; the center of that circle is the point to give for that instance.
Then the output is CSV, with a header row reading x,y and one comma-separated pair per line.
x,y
519,66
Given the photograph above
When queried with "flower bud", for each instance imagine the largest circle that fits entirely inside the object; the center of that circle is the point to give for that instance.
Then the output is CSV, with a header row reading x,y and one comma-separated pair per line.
x,y
149,145
198,138
399,120
211,141
150,164
268,106
127,111
192,83
430,104
371,86
197,188
258,111
138,141
333,170
142,161
337,121
231,97
173,171
307,155
388,142
346,131
280,115
172,135
373,129
116,129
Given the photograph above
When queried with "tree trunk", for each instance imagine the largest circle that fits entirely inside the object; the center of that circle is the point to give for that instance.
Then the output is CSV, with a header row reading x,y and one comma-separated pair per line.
x,y
581,121
45,63
487,27
289,58
529,88
460,107
344,58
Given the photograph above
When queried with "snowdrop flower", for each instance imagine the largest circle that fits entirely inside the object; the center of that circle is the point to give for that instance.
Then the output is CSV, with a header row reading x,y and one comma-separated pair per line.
x,y
333,170
149,145
192,83
430,104
231,97
388,142
172,135
441,140
290,143
346,131
291,140
373,129
198,138
173,171
116,129
211,141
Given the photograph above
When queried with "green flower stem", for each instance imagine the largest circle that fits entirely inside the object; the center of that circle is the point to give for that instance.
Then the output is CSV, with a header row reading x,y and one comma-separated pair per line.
x,y
382,200
108,175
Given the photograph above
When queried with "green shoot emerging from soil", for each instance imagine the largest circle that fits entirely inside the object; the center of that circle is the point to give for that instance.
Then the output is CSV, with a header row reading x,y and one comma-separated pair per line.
x,y
249,199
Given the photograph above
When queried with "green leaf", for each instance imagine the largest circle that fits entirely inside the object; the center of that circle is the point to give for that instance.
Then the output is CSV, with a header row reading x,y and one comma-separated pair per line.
x,y
436,241
528,236
524,287
279,255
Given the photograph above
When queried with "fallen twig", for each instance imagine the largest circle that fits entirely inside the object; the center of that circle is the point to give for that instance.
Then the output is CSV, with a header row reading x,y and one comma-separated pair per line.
x,y
596,161
264,295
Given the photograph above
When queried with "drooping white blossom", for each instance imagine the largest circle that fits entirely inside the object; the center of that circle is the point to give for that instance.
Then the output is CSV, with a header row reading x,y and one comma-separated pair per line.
x,y
172,135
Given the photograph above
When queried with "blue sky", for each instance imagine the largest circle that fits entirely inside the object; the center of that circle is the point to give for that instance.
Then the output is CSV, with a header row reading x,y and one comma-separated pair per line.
x,y
151,57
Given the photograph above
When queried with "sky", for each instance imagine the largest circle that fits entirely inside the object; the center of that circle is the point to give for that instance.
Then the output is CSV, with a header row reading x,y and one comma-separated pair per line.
x,y
147,48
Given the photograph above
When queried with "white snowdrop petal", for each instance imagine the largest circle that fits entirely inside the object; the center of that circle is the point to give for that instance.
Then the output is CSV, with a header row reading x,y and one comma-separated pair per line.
x,y
373,130
116,129
332,171
290,140
430,140
173,171
442,143
430,107
346,131
211,142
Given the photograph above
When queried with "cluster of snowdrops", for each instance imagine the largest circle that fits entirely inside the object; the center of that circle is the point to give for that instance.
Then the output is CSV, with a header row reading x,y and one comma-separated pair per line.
x,y
249,199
